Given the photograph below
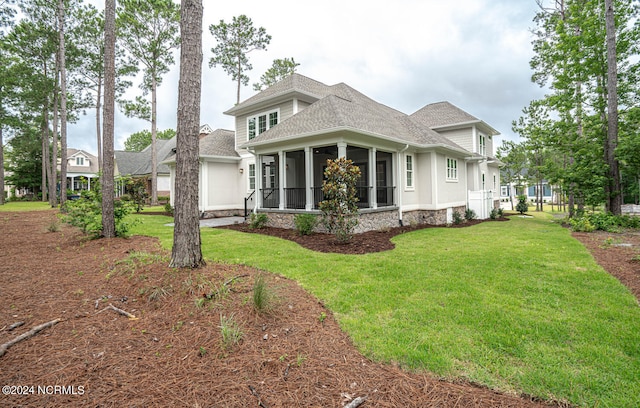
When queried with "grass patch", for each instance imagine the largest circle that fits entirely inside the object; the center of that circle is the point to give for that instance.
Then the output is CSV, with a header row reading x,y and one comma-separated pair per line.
x,y
518,306
15,206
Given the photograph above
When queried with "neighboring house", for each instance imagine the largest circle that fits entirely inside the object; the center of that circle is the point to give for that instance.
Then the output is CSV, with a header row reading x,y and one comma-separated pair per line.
x,y
138,165
416,168
82,170
511,191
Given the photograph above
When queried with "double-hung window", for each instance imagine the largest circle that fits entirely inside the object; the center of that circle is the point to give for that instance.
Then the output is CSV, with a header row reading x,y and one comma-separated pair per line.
x,y
252,176
79,161
482,141
261,123
409,170
452,169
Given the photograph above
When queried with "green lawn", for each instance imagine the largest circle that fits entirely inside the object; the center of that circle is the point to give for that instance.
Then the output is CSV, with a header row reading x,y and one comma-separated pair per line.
x,y
518,306
13,206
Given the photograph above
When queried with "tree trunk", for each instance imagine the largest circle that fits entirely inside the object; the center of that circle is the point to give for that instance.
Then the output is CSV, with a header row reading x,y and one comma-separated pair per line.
x,y
1,166
98,134
154,146
615,196
53,176
45,150
53,163
187,250
108,218
63,107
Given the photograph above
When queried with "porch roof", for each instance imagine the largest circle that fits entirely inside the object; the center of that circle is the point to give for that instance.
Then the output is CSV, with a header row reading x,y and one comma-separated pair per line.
x,y
220,143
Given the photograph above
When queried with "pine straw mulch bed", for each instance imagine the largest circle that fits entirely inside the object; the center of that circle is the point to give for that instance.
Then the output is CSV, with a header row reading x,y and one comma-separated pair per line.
x,y
173,355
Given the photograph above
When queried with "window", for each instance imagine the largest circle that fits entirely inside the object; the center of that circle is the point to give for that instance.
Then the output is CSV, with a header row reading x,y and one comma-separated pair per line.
x,y
494,182
261,123
452,169
79,161
252,176
409,168
483,145
252,128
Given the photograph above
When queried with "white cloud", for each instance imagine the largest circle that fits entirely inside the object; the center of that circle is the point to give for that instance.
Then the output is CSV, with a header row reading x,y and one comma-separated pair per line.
x,y
405,54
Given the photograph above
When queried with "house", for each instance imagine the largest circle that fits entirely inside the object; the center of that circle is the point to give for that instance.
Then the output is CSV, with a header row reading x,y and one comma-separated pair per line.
x,y
418,168
82,170
138,165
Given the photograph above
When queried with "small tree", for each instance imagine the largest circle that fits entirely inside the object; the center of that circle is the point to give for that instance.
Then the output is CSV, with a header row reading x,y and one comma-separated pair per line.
x,y
522,206
339,207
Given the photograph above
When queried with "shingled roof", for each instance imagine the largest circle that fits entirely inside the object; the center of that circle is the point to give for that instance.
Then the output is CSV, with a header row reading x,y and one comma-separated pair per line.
x,y
444,114
219,143
344,108
139,163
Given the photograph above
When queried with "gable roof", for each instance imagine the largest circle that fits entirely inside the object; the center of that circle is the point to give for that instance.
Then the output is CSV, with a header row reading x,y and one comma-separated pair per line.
x,y
93,161
443,115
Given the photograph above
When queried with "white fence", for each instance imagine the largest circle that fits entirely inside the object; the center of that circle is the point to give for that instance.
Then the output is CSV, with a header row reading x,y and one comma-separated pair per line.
x,y
481,202
631,209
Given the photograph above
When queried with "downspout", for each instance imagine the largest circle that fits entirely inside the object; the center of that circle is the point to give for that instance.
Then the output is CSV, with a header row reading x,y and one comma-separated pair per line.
x,y
404,149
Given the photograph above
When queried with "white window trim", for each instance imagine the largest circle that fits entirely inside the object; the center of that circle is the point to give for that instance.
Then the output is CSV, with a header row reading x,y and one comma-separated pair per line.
x,y
482,144
412,171
249,177
447,168
257,116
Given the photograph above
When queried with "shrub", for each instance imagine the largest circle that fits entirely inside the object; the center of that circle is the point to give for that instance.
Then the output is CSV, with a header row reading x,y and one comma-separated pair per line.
x,y
469,214
581,224
522,206
168,208
137,190
457,218
86,213
305,223
495,214
258,221
339,207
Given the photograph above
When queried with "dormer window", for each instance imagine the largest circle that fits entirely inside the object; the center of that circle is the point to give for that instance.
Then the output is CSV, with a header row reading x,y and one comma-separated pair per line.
x,y
261,123
79,161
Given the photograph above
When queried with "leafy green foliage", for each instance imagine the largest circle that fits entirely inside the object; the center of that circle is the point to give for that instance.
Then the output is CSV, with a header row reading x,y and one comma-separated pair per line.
x,y
280,69
523,205
469,214
457,218
602,221
136,188
86,214
339,207
257,221
305,223
138,141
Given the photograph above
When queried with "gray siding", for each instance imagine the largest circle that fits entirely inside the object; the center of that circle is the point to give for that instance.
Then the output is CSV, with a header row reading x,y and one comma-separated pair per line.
x,y
462,137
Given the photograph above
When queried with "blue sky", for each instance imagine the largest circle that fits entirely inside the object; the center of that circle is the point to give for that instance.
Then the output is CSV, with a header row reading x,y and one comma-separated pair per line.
x,y
404,54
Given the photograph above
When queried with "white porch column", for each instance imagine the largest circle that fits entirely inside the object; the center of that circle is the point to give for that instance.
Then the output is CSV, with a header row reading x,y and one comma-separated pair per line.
x,y
281,176
72,183
89,183
373,177
259,183
308,178
342,150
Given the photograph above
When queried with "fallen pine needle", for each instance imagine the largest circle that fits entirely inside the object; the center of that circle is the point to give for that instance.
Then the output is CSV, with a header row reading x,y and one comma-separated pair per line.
x,y
27,335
